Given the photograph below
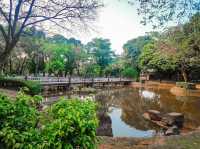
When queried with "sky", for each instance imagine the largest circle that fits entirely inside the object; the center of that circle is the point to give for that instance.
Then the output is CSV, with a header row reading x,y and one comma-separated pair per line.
x,y
119,22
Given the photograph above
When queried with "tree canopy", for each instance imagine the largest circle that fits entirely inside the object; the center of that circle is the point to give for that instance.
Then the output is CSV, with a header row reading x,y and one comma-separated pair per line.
x,y
17,15
158,12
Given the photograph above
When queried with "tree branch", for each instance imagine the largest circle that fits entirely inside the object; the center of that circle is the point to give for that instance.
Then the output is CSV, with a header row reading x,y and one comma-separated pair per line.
x,y
17,10
3,33
4,14
26,18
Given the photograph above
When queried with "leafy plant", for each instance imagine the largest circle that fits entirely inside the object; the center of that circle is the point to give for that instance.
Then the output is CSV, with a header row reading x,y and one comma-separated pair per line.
x,y
65,125
73,125
130,73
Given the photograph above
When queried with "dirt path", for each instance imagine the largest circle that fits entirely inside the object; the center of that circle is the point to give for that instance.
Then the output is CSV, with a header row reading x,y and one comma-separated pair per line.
x,y
10,93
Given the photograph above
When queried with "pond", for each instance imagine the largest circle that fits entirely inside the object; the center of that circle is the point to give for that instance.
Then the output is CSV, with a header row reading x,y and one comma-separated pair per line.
x,y
124,107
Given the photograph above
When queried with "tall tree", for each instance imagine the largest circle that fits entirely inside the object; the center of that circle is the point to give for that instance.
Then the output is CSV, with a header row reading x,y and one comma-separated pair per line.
x,y
101,50
133,48
16,15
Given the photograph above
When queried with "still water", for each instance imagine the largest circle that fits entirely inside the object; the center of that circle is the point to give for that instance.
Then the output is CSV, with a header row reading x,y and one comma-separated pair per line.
x,y
124,107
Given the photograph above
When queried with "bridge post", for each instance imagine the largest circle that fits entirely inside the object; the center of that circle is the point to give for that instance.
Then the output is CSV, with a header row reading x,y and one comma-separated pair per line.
x,y
69,81
92,81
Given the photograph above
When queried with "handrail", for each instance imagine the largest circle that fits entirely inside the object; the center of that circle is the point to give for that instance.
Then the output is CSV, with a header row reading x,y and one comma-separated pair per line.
x,y
73,79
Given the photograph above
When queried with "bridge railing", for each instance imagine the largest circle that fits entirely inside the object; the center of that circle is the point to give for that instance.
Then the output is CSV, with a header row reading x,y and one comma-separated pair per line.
x,y
76,79
72,79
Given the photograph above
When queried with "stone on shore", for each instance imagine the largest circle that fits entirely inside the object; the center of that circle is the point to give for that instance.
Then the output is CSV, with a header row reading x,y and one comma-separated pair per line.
x,y
174,119
174,130
154,115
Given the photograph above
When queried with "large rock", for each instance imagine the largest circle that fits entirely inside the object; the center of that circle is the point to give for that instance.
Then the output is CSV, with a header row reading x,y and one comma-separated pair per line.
x,y
105,124
174,119
154,115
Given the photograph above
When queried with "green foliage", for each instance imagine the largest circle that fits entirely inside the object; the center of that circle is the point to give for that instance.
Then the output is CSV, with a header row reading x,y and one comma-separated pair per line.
x,y
133,48
101,51
92,70
34,87
74,124
159,12
130,73
151,58
66,125
18,120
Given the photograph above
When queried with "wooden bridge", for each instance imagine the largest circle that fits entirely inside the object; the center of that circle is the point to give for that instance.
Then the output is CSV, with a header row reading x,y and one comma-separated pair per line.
x,y
52,85
65,81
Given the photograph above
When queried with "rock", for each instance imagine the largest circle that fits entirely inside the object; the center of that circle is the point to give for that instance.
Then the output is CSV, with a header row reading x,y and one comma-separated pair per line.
x,y
105,124
154,115
146,116
172,131
174,119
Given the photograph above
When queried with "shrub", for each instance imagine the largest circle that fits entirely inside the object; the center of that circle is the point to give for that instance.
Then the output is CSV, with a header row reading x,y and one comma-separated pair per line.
x,y
18,122
65,125
34,87
74,125
130,73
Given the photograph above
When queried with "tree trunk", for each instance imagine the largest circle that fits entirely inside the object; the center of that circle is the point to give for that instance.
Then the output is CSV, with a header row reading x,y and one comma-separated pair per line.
x,y
7,51
10,65
22,66
184,74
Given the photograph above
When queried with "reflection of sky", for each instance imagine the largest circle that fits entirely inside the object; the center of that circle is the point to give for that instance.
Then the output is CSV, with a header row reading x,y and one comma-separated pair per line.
x,y
148,94
121,129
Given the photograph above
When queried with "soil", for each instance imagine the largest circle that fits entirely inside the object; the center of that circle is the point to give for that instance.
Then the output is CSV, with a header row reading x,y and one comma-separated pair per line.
x,y
8,92
187,141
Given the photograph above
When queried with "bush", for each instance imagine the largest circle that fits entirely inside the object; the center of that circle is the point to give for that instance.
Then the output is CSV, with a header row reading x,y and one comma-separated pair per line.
x,y
186,85
74,125
18,120
130,73
34,87
66,124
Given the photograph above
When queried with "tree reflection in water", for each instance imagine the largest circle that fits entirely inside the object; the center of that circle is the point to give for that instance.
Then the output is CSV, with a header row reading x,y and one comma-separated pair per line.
x,y
126,106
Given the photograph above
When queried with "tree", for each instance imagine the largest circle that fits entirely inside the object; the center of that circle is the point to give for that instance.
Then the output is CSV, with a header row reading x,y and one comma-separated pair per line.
x,y
101,52
92,70
133,48
159,12
186,41
130,72
17,15
153,57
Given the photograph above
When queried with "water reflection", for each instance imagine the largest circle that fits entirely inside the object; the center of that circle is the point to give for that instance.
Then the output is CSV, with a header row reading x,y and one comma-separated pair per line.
x,y
126,106
121,110
122,129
